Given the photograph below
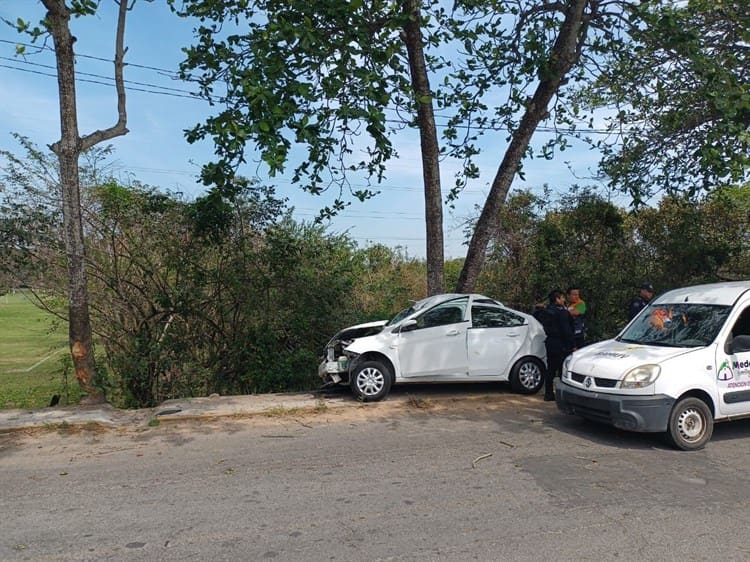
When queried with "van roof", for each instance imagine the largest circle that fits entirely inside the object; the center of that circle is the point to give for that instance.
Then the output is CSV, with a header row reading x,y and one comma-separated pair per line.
x,y
713,293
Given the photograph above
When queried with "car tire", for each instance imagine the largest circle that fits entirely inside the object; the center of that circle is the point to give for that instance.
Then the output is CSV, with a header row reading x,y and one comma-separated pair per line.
x,y
371,381
690,425
527,376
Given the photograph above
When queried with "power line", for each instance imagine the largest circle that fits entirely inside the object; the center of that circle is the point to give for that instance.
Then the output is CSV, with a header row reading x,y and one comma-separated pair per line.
x,y
46,48
110,84
180,93
81,73
274,181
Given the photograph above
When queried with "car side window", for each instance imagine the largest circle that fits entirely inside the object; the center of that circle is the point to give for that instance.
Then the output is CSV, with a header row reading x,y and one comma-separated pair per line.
x,y
484,316
451,312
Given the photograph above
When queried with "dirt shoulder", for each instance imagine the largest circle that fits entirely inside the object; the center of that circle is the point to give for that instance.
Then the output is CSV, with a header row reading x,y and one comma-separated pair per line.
x,y
84,438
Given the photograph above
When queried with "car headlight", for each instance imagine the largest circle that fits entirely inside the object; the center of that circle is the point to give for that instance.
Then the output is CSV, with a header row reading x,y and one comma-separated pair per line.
x,y
641,376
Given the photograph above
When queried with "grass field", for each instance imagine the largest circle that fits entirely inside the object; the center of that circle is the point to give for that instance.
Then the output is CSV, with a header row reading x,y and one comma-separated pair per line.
x,y
32,349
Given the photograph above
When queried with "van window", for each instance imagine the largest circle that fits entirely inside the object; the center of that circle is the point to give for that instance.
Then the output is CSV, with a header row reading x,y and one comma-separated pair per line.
x,y
677,325
742,326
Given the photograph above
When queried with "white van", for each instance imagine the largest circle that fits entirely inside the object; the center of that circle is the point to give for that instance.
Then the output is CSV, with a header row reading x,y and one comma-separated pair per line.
x,y
680,365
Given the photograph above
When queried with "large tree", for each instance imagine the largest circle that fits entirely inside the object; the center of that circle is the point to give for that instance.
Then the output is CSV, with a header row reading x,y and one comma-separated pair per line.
x,y
319,73
533,50
328,75
68,150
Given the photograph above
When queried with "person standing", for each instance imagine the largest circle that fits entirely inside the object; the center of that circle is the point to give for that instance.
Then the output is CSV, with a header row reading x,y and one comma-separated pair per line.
x,y
646,293
558,327
577,309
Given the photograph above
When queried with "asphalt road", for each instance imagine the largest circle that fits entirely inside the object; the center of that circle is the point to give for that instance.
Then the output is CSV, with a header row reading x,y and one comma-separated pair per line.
x,y
483,477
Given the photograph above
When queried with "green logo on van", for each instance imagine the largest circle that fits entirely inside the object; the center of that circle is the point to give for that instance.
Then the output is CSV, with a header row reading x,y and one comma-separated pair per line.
x,y
725,372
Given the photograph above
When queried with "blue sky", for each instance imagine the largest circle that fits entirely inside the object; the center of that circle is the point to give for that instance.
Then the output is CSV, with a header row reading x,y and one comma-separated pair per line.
x,y
160,109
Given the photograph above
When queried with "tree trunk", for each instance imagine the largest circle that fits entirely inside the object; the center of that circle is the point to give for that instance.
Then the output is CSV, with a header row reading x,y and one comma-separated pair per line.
x,y
564,55
68,150
430,151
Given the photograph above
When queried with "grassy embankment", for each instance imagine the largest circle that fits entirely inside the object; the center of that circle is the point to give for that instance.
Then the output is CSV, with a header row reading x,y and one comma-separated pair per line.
x,y
32,349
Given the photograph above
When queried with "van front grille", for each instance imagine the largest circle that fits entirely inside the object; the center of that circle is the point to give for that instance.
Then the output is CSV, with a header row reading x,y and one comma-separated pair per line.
x,y
599,382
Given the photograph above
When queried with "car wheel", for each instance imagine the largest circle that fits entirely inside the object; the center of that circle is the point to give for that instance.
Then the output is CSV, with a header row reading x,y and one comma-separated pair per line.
x,y
371,381
527,376
691,424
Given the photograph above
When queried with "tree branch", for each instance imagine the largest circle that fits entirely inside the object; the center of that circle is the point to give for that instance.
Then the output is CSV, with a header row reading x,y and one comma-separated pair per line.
x,y
120,127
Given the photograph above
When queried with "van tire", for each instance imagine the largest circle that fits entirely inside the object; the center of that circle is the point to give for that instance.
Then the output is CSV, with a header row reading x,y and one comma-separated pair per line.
x,y
527,376
690,425
370,381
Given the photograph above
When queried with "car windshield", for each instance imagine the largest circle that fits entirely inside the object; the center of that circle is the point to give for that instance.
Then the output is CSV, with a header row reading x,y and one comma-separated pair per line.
x,y
677,325
401,315
429,302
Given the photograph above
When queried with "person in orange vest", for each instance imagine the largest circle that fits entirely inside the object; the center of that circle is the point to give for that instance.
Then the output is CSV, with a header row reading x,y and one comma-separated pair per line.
x,y
577,309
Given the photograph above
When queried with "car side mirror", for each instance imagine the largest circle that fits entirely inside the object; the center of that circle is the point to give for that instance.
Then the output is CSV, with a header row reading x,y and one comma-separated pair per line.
x,y
407,325
739,344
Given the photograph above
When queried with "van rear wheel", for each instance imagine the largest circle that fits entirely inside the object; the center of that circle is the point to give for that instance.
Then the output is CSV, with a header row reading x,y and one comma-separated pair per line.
x,y
691,424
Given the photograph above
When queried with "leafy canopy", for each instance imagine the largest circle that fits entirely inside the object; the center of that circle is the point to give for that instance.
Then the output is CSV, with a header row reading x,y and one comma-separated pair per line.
x,y
679,99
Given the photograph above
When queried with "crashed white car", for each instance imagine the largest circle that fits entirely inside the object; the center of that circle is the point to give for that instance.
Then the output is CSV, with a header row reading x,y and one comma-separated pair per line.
x,y
443,338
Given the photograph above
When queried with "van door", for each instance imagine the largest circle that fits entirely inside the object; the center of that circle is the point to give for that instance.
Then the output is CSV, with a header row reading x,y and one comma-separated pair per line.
x,y
733,370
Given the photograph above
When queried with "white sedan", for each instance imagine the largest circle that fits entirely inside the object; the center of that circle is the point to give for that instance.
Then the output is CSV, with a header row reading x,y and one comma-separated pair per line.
x,y
443,338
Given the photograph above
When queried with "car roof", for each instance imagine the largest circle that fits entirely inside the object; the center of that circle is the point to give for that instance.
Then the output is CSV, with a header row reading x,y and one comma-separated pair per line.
x,y
712,293
437,299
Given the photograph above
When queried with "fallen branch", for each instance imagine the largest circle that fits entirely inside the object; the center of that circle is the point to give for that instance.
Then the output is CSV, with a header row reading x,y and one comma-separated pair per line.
x,y
479,458
587,459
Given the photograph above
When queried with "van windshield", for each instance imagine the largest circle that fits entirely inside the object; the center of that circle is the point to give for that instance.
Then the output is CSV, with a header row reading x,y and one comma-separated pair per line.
x,y
677,325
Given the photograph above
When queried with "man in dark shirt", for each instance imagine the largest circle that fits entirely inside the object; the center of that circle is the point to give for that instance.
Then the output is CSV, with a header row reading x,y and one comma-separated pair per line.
x,y
558,327
641,301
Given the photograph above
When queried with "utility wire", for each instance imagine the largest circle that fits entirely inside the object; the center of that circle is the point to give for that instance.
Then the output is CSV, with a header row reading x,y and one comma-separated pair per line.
x,y
46,48
80,73
193,96
180,93
376,187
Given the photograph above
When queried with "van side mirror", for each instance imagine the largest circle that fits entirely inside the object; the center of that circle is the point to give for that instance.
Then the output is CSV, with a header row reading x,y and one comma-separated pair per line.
x,y
408,325
739,344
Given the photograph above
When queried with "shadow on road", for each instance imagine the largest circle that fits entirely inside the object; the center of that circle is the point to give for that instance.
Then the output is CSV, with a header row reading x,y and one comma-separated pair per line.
x,y
533,413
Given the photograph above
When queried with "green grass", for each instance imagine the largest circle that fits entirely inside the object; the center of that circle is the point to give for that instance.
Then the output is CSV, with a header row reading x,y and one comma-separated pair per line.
x,y
32,349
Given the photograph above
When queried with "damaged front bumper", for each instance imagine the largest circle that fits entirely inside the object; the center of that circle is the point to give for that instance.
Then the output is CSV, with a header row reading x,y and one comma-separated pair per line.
x,y
331,372
334,370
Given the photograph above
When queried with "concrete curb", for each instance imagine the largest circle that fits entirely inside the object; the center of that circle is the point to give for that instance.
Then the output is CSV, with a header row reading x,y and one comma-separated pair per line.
x,y
172,410
215,406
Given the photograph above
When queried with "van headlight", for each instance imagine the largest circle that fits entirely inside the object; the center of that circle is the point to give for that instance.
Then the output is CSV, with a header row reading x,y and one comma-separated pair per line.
x,y
640,376
566,367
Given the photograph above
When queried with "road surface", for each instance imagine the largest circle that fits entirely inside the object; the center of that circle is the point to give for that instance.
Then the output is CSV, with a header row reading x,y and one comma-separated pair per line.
x,y
488,476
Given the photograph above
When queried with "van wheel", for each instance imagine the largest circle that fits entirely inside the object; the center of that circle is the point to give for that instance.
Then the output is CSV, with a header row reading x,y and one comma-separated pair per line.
x,y
691,424
527,376
370,381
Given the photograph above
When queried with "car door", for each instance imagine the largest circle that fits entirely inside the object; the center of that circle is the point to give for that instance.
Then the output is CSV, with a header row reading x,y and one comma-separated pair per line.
x,y
436,345
494,339
733,371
